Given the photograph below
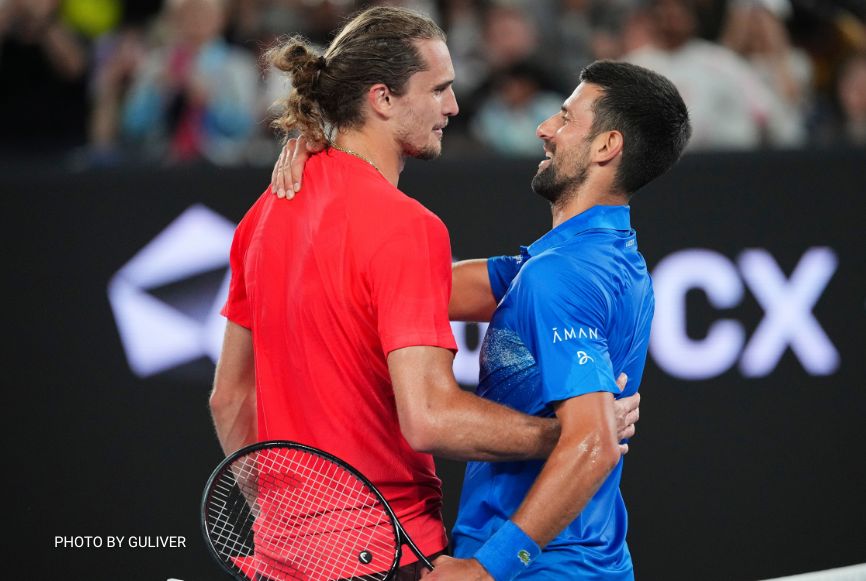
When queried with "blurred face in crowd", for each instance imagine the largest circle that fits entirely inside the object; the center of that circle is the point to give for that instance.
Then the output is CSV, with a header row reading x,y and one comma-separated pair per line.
x,y
427,103
510,36
674,22
852,89
198,21
567,138
33,9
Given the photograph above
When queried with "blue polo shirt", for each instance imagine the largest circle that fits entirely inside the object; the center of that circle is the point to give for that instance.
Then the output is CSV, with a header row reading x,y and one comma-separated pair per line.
x,y
574,312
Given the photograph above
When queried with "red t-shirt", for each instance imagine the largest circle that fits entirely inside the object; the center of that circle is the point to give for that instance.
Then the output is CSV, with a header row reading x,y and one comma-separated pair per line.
x,y
330,283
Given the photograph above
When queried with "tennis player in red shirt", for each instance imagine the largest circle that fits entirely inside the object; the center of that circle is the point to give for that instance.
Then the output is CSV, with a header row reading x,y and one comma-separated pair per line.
x,y
338,334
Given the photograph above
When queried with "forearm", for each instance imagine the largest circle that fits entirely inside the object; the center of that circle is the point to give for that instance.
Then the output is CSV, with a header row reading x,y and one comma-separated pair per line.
x,y
235,420
570,477
438,417
468,428
233,400
64,51
584,456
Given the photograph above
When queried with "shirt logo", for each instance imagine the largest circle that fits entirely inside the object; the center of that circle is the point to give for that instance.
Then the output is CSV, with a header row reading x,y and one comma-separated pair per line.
x,y
570,333
583,357
524,556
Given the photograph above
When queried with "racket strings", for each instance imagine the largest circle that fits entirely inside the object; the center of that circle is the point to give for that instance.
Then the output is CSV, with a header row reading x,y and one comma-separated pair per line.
x,y
288,514
269,533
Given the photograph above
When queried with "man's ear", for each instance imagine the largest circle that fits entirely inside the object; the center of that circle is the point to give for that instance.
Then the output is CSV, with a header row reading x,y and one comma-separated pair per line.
x,y
607,146
381,100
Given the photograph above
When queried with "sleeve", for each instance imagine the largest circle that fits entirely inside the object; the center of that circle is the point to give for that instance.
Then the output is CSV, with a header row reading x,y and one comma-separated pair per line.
x,y
410,281
564,325
501,270
237,306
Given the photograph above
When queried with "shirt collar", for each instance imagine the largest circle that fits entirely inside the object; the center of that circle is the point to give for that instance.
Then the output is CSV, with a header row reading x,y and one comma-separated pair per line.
x,y
597,217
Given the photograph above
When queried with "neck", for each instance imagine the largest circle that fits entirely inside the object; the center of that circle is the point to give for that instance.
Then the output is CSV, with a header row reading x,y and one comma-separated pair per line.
x,y
589,194
376,148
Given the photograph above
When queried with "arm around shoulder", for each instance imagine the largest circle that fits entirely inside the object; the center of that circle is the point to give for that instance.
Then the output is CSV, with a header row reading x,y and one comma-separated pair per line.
x,y
438,417
471,294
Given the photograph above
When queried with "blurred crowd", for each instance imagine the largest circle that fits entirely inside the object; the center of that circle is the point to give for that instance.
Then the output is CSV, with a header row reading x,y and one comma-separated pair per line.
x,y
108,82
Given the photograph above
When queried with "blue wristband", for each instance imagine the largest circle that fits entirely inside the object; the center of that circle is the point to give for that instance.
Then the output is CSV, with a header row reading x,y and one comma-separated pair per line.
x,y
507,553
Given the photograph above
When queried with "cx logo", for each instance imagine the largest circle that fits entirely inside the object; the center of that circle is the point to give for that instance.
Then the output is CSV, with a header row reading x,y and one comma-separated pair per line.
x,y
787,303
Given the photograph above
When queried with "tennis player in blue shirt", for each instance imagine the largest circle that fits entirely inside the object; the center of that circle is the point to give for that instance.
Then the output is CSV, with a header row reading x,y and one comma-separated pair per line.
x,y
570,313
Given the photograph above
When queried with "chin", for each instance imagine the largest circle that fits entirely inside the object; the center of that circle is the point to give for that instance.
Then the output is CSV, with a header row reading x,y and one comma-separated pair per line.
x,y
428,153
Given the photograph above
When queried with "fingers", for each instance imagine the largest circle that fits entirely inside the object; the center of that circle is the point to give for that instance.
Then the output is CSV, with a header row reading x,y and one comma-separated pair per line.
x,y
276,170
300,155
626,433
623,449
281,175
627,412
621,381
632,417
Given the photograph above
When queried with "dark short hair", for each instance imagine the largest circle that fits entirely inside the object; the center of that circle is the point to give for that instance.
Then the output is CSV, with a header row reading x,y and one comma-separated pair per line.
x,y
376,46
649,112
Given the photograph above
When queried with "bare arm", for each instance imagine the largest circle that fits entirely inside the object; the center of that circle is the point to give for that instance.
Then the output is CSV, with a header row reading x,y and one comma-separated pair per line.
x,y
471,296
584,456
438,417
233,399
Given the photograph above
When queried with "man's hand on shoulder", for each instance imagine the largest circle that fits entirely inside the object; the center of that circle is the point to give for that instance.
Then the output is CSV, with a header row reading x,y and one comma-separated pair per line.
x,y
289,169
457,569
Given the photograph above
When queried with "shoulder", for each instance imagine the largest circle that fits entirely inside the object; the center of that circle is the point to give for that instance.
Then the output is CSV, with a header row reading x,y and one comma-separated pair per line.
x,y
554,274
387,209
598,272
255,211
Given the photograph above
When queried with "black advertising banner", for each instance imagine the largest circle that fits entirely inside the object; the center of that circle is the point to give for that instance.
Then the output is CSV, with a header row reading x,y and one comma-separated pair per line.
x,y
747,462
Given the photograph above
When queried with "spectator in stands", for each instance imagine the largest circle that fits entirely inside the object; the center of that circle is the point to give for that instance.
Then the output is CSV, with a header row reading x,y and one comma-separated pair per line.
x,y
462,21
116,59
510,36
756,30
194,96
851,88
845,122
42,79
730,107
520,101
574,33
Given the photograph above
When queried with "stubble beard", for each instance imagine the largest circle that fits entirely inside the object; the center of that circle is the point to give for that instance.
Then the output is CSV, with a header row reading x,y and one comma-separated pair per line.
x,y
424,152
555,188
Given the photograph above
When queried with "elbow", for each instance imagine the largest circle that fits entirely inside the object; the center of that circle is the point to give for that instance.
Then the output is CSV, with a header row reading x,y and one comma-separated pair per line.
x,y
420,428
609,455
221,402
421,435
217,402
605,452
596,452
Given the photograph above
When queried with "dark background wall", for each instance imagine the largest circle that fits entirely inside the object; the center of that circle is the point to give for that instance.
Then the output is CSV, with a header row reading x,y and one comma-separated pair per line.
x,y
739,474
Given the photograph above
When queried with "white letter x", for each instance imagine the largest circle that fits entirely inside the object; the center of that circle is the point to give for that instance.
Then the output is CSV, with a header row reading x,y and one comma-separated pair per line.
x,y
788,317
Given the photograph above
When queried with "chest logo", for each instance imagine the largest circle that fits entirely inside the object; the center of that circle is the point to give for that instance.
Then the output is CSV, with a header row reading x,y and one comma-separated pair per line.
x,y
570,333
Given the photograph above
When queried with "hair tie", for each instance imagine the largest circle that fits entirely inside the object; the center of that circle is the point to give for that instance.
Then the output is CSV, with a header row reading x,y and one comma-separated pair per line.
x,y
321,63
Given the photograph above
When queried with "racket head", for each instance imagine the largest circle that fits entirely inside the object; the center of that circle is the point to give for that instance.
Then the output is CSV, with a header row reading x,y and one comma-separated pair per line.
x,y
281,511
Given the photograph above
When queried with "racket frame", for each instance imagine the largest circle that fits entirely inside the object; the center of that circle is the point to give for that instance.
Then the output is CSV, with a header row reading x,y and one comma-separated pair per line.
x,y
400,535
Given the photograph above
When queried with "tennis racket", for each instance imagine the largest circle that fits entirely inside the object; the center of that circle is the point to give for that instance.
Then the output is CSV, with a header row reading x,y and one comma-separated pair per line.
x,y
280,511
